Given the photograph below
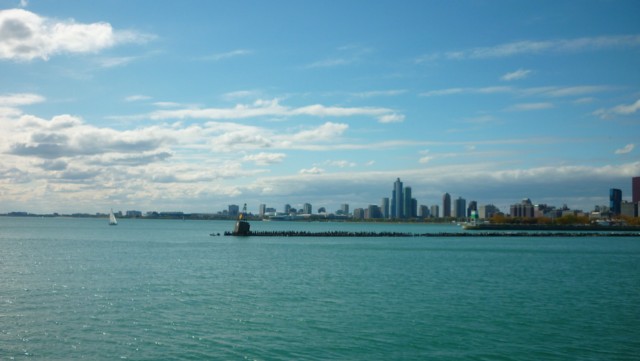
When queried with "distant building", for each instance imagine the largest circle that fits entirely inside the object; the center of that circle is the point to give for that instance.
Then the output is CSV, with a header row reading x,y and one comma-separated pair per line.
x,y
306,208
358,213
435,211
460,208
423,211
384,207
287,209
372,212
524,209
615,200
629,209
487,211
322,210
414,208
133,214
397,204
446,205
407,211
234,210
344,208
635,190
262,209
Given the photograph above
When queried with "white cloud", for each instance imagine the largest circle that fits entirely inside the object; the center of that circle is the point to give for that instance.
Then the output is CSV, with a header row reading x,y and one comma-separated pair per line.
x,y
18,99
379,93
113,62
262,108
523,107
516,75
484,90
622,109
25,36
326,132
341,163
137,97
391,118
265,158
313,170
229,54
549,91
537,47
626,149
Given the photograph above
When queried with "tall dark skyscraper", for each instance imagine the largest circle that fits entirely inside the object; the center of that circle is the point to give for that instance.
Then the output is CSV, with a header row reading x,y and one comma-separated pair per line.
x,y
635,189
460,207
615,200
397,204
446,205
407,213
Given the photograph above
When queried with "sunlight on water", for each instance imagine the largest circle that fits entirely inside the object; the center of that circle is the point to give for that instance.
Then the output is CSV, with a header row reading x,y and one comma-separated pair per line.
x,y
151,289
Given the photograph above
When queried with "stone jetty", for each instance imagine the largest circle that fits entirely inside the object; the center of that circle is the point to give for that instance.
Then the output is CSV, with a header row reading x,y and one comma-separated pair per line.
x,y
433,234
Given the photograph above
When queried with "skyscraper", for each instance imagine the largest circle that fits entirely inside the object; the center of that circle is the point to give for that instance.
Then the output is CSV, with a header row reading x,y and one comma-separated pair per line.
x,y
435,211
460,208
615,200
407,212
446,205
345,209
635,189
397,204
384,207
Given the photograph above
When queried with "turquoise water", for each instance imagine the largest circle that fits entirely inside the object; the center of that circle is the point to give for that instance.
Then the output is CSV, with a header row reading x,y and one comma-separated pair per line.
x,y
166,290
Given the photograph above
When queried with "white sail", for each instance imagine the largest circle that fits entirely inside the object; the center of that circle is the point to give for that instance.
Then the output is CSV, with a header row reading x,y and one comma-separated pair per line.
x,y
112,219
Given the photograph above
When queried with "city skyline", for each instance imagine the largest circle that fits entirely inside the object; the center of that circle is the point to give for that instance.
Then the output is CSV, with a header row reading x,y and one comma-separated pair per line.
x,y
109,105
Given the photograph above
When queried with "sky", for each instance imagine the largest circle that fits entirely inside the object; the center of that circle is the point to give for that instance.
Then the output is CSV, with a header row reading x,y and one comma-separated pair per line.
x,y
194,105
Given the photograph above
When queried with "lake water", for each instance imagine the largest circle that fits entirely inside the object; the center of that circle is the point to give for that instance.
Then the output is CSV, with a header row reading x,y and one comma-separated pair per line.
x,y
167,290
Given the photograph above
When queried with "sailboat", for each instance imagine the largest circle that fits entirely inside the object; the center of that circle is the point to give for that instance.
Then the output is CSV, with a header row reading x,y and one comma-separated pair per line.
x,y
112,219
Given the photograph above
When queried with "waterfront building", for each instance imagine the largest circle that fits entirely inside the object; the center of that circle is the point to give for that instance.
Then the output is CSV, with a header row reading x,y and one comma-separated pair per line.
x,y
414,208
134,214
384,207
446,205
435,211
397,204
524,209
358,213
345,209
460,208
423,211
615,200
372,212
407,211
306,208
233,210
487,211
635,190
262,209
629,209
287,209
322,210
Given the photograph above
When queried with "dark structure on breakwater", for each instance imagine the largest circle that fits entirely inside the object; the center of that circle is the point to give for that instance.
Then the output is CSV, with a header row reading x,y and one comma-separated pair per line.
x,y
242,228
435,234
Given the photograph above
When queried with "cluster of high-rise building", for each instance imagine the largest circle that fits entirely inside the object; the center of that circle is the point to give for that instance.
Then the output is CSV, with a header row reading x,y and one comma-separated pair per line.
x,y
402,205
618,206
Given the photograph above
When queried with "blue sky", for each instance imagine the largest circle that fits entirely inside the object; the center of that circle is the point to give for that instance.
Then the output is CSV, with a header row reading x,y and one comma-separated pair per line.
x,y
194,105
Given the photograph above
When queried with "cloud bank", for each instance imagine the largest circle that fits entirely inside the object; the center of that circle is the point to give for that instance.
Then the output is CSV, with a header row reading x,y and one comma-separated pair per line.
x,y
25,36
